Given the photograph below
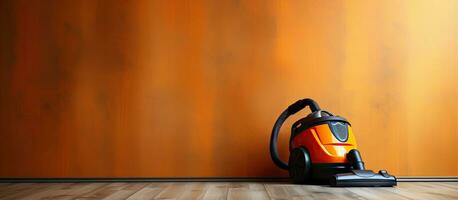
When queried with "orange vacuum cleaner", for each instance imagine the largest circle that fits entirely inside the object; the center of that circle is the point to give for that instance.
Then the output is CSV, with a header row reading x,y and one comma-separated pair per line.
x,y
323,150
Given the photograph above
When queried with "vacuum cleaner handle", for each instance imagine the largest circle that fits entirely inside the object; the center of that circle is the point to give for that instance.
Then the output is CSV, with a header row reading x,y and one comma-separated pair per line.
x,y
301,104
291,110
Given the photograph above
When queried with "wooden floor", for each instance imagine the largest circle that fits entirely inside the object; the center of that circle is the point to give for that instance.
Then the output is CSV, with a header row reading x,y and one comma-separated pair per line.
x,y
213,190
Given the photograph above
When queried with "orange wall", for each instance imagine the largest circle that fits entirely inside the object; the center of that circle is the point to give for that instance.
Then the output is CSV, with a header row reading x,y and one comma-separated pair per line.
x,y
162,88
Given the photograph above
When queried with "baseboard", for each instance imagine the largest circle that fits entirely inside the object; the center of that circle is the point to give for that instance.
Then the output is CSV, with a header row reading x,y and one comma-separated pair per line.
x,y
145,179
202,179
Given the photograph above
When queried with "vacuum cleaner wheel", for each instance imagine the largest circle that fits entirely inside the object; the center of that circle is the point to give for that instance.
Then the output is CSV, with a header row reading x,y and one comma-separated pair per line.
x,y
299,165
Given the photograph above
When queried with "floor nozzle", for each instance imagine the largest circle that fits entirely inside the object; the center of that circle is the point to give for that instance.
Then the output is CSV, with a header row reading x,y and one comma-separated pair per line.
x,y
363,178
360,177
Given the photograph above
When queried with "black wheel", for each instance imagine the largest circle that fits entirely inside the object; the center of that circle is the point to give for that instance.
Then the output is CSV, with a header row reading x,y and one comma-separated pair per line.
x,y
299,165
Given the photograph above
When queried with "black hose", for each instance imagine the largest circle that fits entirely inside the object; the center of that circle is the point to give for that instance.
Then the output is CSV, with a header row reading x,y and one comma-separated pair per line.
x,y
355,159
291,110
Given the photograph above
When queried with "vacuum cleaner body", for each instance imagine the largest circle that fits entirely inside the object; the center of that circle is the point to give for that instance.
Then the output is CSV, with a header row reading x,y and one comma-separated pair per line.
x,y
323,149
328,143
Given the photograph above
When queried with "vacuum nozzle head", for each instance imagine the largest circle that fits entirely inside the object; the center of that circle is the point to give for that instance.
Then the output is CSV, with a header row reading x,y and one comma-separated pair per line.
x,y
363,178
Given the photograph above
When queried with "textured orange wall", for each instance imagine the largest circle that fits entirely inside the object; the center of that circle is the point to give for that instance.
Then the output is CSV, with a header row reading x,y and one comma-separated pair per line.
x,y
192,88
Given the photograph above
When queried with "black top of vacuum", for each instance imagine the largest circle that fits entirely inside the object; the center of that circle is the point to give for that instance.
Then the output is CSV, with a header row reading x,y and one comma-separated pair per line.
x,y
317,118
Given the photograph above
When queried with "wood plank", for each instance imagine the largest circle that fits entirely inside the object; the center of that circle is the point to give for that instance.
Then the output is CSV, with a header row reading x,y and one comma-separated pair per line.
x,y
149,191
194,191
172,191
295,191
286,191
427,191
42,191
13,187
416,191
125,192
247,191
377,193
452,185
22,189
70,191
216,191
113,191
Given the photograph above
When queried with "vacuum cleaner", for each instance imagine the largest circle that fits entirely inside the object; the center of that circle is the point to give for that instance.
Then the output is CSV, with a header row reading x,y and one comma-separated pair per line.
x,y
323,150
